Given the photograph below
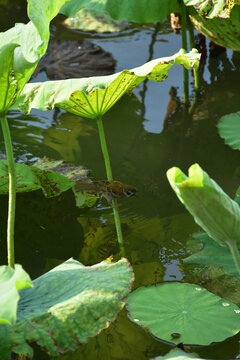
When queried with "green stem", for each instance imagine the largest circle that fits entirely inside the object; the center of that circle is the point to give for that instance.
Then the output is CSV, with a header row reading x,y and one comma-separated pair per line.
x,y
235,254
109,177
12,189
184,46
197,82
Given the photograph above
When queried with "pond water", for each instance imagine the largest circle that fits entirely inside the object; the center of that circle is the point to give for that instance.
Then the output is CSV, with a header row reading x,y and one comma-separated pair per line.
x,y
147,133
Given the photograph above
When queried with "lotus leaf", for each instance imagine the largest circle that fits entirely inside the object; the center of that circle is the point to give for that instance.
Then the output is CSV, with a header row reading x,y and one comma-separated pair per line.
x,y
229,129
212,253
183,313
224,32
210,8
21,48
93,97
11,281
68,305
211,207
91,20
131,10
177,354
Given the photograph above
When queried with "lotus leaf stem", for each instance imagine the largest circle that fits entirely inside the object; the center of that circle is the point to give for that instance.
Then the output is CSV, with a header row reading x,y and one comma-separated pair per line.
x,y
196,74
184,46
110,177
12,189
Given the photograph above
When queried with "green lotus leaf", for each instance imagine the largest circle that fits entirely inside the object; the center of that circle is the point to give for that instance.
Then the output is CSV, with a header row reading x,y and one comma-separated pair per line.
x,y
229,129
30,178
21,48
11,281
131,10
91,20
94,96
210,8
211,207
222,31
177,354
73,173
184,313
212,253
69,304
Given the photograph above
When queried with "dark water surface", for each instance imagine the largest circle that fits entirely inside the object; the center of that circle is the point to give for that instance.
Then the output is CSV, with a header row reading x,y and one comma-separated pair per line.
x,y
144,140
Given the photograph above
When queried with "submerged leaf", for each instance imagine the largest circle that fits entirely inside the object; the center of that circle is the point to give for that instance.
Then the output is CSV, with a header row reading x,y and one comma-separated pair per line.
x,y
211,207
71,303
229,129
11,281
93,97
212,253
183,313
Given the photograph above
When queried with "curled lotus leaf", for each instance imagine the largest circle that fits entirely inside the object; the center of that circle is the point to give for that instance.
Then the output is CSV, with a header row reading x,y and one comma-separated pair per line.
x,y
94,96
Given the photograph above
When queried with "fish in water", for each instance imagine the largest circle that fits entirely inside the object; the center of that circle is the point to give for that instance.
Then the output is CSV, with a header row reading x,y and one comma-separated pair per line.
x,y
109,189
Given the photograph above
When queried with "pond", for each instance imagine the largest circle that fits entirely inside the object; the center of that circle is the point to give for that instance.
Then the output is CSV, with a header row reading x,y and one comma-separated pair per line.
x,y
147,133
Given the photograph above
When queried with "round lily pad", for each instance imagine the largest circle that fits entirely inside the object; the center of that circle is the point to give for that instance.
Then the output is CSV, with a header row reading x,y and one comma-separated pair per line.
x,y
229,127
192,312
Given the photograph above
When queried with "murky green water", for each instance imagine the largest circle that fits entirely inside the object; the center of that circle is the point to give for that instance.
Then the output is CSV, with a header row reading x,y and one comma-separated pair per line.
x,y
144,141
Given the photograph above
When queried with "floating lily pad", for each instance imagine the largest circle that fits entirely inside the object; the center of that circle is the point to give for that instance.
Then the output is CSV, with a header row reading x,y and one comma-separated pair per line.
x,y
92,20
184,313
229,129
68,305
212,253
53,177
177,354
30,178
93,97
73,173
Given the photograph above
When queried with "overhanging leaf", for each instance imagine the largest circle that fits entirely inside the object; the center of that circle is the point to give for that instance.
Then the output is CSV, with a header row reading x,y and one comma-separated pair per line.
x,y
212,253
211,207
91,20
71,303
131,10
183,313
11,281
229,129
92,97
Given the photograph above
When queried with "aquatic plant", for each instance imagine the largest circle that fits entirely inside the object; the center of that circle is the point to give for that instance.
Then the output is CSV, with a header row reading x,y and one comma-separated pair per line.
x,y
31,317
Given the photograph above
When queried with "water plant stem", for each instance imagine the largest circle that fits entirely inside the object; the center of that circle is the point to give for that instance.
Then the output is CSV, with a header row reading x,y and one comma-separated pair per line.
x,y
12,189
235,254
110,177
184,46
193,45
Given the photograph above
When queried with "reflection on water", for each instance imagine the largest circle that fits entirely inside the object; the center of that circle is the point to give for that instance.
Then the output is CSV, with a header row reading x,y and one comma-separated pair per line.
x,y
147,133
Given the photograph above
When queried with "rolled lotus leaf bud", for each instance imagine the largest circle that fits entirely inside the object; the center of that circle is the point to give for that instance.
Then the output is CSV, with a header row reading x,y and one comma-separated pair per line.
x,y
210,206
